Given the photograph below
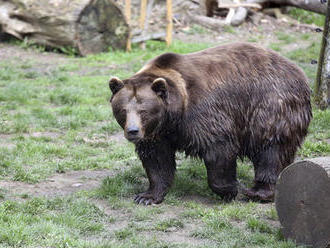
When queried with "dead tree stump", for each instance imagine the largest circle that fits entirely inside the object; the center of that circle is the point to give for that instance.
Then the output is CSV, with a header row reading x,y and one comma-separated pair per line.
x,y
90,26
322,84
303,202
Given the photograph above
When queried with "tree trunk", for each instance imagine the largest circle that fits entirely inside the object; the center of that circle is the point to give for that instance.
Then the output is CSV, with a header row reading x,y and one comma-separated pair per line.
x,y
90,26
303,202
322,86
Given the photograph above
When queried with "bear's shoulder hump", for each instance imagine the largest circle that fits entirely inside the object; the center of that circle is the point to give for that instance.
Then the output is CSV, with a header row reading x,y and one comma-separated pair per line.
x,y
167,60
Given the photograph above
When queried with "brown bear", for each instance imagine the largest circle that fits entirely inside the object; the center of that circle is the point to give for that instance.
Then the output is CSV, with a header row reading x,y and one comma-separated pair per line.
x,y
230,101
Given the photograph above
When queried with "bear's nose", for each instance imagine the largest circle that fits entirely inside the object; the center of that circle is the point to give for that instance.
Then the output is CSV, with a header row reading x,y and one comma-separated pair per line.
x,y
132,131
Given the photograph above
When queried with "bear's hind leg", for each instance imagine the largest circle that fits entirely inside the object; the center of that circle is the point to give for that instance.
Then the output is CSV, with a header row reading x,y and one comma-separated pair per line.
x,y
267,166
221,174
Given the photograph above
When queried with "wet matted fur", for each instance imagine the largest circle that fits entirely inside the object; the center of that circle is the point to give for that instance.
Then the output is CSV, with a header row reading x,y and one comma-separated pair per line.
x,y
230,101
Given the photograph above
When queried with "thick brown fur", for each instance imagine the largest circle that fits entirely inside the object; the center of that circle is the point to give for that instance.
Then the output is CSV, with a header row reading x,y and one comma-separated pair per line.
x,y
230,101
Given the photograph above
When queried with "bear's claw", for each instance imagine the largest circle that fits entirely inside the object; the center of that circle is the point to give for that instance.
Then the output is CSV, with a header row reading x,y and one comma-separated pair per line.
x,y
146,199
265,193
229,196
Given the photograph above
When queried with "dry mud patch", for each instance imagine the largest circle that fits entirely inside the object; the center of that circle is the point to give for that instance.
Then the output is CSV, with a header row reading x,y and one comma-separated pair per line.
x,y
62,184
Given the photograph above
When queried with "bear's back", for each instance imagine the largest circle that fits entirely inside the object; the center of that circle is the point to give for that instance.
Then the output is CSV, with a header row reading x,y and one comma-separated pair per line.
x,y
238,63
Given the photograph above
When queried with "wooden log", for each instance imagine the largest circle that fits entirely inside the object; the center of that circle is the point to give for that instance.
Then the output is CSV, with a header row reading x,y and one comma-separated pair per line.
x,y
207,22
322,85
302,200
145,36
90,26
311,5
239,17
237,5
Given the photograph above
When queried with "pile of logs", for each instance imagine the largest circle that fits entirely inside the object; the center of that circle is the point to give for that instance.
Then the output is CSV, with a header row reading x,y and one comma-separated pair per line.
x,y
90,26
235,12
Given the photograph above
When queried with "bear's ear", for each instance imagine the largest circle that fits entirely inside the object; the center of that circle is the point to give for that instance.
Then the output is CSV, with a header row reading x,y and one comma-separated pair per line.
x,y
159,86
115,84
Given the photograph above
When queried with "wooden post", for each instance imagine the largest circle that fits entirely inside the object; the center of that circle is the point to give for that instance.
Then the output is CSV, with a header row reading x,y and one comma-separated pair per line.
x,y
302,200
128,17
322,85
169,20
143,9
143,19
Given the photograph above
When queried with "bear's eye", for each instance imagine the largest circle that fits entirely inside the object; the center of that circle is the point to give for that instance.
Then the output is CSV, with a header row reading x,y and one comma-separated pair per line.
x,y
120,112
143,112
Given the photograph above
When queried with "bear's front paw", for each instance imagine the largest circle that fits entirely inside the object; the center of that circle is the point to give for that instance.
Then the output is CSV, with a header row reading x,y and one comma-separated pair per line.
x,y
260,192
147,198
229,195
227,192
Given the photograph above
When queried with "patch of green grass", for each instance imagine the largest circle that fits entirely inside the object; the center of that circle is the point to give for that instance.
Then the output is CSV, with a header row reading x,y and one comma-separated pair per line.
x,y
276,47
196,29
245,172
317,142
123,233
33,159
229,29
239,211
285,37
272,214
124,184
141,213
306,36
190,179
314,149
253,39
256,224
307,16
319,126
169,225
36,222
306,55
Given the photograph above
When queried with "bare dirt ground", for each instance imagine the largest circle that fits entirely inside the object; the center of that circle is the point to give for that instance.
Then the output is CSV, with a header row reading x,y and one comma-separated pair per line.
x,y
61,184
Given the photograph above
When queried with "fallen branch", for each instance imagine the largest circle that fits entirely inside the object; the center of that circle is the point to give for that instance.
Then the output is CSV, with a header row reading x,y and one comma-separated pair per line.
x,y
207,22
239,17
145,37
237,5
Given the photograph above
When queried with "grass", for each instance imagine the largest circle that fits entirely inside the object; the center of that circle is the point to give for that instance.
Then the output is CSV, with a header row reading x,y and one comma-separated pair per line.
x,y
308,17
36,222
58,120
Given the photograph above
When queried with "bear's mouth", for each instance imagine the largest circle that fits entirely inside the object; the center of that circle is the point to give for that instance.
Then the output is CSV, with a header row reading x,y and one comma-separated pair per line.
x,y
133,139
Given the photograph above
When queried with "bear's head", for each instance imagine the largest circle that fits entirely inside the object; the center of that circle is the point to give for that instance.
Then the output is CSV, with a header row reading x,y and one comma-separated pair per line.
x,y
139,105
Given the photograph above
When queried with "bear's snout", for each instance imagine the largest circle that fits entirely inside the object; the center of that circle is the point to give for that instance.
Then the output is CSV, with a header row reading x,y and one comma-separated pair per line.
x,y
133,130
133,133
